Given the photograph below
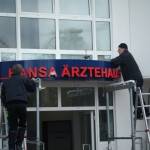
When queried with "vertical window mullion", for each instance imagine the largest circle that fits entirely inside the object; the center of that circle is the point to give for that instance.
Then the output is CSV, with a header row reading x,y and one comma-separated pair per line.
x,y
94,29
57,29
18,14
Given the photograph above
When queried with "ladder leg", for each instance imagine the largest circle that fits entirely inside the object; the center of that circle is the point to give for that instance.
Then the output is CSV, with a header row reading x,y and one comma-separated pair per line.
x,y
132,119
108,119
25,144
144,114
135,111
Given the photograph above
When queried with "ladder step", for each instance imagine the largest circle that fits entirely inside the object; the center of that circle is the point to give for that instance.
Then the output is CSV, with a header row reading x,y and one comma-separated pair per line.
x,y
140,131
148,118
3,136
145,94
146,130
144,106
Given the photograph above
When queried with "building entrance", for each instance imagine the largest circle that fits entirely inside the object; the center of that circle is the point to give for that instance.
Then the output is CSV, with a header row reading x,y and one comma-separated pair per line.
x,y
57,135
83,106
66,130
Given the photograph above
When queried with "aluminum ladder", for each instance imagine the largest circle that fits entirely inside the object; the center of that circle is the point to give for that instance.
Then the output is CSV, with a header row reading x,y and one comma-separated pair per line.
x,y
140,98
130,85
4,129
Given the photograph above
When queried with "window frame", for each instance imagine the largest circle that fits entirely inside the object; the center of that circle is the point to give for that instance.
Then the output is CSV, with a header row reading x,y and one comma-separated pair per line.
x,y
57,52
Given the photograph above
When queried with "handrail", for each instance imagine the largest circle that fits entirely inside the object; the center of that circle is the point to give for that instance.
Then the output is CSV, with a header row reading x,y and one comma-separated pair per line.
x,y
120,86
130,85
128,138
36,142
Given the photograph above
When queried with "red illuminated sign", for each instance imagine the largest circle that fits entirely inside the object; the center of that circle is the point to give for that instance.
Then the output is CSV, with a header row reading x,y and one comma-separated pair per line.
x,y
69,72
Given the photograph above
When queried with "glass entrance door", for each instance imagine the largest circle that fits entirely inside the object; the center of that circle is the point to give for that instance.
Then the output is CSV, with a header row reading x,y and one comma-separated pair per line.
x,y
87,130
68,130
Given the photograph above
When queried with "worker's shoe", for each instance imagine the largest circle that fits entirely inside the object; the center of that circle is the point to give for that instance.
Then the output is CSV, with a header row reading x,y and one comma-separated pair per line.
x,y
12,139
20,137
139,116
147,112
19,147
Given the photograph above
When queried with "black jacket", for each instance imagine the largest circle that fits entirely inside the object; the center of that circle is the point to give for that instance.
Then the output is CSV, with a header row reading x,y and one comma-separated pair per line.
x,y
128,66
16,88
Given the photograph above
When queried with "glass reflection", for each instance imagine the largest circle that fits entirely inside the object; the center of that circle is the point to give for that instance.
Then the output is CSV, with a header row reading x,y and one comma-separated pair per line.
x,y
103,38
102,8
104,57
8,56
49,97
74,7
102,97
37,33
45,6
75,35
77,96
7,6
104,125
32,56
81,57
7,32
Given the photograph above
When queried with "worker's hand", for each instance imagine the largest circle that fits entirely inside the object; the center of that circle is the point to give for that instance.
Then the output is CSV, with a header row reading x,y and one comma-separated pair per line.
x,y
34,79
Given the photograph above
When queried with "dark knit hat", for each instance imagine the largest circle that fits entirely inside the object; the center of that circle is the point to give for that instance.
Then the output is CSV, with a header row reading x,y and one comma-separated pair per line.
x,y
17,69
123,45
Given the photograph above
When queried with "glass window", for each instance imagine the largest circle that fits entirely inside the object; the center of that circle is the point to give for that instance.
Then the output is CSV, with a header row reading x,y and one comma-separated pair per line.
x,y
102,97
74,7
104,125
37,6
8,56
49,97
32,99
104,57
37,33
76,57
7,32
85,129
30,56
75,35
103,36
31,129
102,8
77,96
7,6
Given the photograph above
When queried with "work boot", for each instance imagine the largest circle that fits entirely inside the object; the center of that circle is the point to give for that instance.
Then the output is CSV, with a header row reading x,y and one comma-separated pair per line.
x,y
19,147
147,112
12,139
20,137
140,114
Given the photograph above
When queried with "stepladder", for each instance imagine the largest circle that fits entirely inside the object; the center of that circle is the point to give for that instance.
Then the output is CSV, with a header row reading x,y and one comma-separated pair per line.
x,y
145,109
4,131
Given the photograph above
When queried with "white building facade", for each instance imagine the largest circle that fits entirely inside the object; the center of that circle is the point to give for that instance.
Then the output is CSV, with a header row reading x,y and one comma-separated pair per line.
x,y
73,29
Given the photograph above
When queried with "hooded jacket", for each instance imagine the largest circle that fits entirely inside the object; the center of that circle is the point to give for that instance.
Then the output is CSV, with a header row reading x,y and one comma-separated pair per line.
x,y
129,67
16,88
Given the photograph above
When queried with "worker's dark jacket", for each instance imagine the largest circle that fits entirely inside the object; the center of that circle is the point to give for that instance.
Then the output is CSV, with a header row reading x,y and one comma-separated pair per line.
x,y
15,89
129,67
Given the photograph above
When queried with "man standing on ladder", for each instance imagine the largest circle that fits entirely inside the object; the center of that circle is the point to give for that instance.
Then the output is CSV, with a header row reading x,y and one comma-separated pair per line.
x,y
14,98
130,71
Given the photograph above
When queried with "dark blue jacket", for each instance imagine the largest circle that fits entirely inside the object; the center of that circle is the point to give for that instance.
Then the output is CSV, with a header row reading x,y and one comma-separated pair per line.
x,y
15,89
129,67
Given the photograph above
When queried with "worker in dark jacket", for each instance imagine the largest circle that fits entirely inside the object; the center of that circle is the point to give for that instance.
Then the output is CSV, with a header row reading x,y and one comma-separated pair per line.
x,y
129,69
14,98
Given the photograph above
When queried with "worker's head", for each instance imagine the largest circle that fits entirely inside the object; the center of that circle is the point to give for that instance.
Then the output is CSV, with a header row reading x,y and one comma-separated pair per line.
x,y
122,47
17,69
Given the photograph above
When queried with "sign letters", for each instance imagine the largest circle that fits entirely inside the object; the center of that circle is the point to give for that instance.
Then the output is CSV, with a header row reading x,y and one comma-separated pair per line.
x,y
62,69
